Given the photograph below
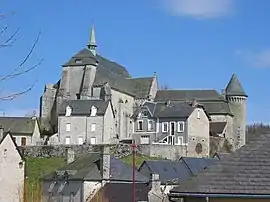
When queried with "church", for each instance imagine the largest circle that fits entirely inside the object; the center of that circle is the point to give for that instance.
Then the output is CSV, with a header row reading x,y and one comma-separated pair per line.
x,y
97,101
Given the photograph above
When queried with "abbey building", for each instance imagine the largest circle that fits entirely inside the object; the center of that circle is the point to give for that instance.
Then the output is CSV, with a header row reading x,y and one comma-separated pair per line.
x,y
97,101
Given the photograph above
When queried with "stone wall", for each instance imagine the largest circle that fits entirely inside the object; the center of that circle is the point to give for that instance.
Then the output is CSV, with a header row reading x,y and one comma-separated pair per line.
x,y
173,152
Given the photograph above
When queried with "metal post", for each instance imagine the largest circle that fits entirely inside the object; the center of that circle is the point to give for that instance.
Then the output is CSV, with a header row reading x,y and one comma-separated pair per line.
x,y
133,171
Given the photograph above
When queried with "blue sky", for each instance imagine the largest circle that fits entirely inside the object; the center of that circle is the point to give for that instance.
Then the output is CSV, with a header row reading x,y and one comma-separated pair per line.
x,y
191,44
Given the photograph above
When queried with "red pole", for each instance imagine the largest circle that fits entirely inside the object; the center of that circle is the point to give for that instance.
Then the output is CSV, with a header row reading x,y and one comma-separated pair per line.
x,y
133,171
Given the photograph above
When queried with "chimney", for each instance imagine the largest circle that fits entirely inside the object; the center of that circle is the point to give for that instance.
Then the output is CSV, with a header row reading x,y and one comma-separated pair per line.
x,y
70,155
105,165
155,194
1,132
194,103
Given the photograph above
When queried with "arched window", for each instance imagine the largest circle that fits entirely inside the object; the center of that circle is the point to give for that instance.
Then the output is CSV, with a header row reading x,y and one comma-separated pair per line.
x,y
93,111
68,111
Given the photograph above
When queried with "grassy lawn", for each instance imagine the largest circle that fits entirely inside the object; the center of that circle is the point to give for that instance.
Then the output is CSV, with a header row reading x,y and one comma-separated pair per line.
x,y
139,159
36,168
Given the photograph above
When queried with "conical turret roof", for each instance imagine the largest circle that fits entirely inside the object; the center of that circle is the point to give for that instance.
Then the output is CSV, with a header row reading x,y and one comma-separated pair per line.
x,y
234,87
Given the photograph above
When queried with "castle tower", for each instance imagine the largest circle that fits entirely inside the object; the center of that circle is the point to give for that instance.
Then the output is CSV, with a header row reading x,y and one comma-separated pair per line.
x,y
237,99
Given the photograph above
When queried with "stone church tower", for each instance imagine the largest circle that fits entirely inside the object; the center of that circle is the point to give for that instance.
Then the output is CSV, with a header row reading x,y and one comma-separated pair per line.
x,y
237,99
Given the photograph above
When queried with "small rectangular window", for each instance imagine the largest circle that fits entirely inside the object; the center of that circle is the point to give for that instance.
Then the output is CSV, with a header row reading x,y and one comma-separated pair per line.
x,y
68,127
150,125
80,140
198,114
23,141
140,125
165,127
78,61
67,140
93,127
181,126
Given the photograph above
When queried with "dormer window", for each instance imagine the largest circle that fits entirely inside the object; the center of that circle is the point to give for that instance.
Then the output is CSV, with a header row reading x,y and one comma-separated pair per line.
x,y
93,111
78,61
68,111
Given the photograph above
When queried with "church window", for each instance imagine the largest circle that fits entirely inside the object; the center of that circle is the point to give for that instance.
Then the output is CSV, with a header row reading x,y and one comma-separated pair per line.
x,y
165,127
181,126
68,111
68,127
93,111
140,125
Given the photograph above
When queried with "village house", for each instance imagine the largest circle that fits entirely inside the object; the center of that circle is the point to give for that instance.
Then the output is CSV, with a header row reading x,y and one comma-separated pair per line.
x,y
81,178
85,122
240,176
25,131
12,170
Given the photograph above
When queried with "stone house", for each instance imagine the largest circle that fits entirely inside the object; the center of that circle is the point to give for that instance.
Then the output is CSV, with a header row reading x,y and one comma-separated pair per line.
x,y
173,123
82,178
12,170
85,121
24,130
240,176
173,173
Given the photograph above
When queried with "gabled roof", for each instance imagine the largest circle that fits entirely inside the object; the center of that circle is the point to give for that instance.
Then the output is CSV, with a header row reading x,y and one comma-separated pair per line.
x,y
187,95
18,125
196,165
87,167
8,135
170,172
234,87
83,107
217,108
244,173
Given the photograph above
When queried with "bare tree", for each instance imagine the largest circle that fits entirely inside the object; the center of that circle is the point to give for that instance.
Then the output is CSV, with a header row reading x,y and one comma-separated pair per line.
x,y
164,87
6,41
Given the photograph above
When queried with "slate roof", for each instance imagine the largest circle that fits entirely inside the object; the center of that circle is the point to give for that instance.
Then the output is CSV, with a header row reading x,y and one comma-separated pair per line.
x,y
246,172
219,155
170,172
83,107
116,75
187,95
174,110
119,192
215,108
196,165
86,57
217,128
87,168
234,87
18,125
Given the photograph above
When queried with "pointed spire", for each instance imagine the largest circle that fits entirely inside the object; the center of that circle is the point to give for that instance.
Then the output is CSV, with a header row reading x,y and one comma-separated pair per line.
x,y
234,87
92,42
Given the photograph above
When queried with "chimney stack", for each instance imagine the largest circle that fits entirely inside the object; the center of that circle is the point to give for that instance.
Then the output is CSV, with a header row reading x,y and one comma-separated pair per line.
x,y
155,194
1,132
194,103
70,155
105,163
